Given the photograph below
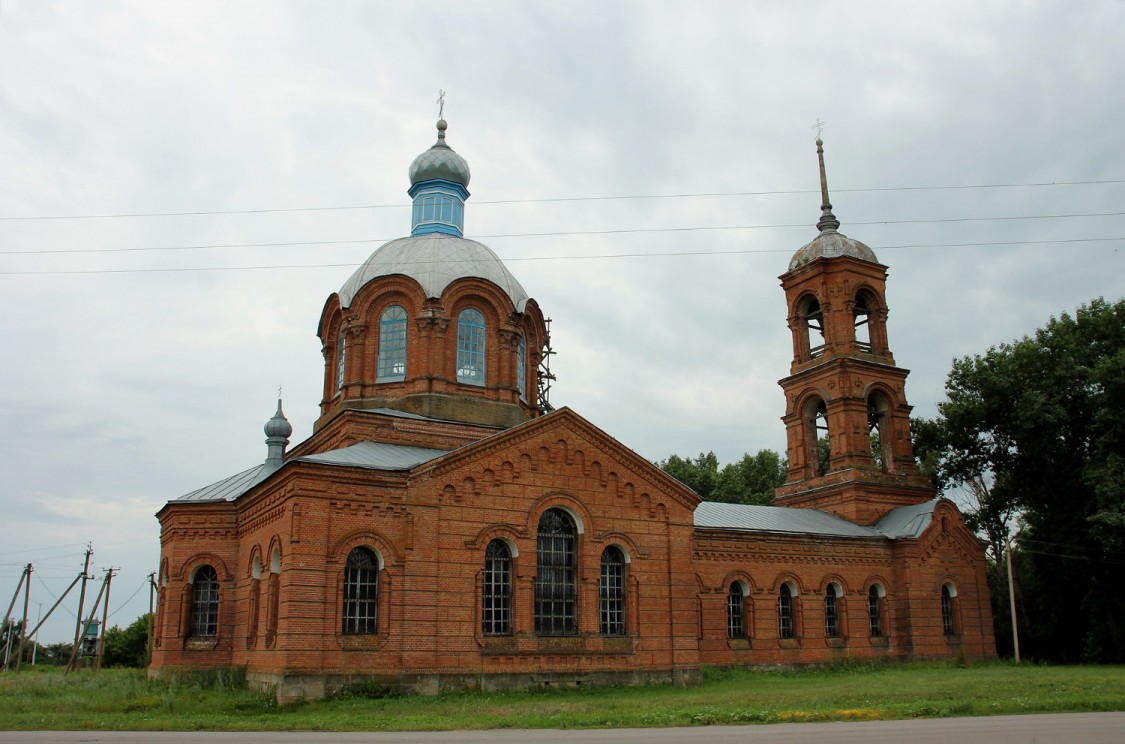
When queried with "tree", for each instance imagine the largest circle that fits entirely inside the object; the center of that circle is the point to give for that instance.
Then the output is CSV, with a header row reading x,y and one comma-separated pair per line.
x,y
1035,431
127,647
750,480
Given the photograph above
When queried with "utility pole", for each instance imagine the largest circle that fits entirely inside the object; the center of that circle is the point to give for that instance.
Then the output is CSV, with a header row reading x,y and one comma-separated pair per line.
x,y
23,627
81,606
35,635
105,618
1012,599
74,652
8,617
152,590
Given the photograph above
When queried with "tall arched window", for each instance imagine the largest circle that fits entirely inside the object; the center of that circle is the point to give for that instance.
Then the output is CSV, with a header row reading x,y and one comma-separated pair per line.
x,y
340,356
832,612
556,575
861,312
611,592
879,430
947,624
496,602
875,611
470,347
818,440
811,318
392,345
736,611
361,592
521,367
205,603
785,625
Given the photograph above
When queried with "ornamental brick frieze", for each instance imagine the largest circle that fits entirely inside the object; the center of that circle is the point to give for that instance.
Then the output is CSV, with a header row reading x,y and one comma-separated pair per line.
x,y
360,509
260,521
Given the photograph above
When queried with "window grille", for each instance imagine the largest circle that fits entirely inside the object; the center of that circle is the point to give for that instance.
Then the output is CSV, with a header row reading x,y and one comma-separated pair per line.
x,y
946,610
496,604
340,354
392,345
611,592
556,574
470,347
736,612
205,603
874,622
785,612
361,592
831,613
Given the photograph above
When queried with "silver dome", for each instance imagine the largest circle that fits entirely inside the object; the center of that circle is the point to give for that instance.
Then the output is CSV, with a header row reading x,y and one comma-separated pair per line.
x,y
830,244
440,162
435,261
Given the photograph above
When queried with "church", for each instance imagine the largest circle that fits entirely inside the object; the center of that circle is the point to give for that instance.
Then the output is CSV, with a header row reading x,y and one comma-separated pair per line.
x,y
445,528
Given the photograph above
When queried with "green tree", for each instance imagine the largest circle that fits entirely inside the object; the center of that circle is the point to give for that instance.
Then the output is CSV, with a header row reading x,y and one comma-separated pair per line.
x,y
127,647
750,480
1034,430
700,474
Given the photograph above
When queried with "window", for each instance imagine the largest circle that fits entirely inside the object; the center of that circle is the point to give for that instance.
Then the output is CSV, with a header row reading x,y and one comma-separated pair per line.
x,y
947,609
496,603
818,439
812,327
611,592
470,347
736,611
556,575
874,610
392,345
361,592
831,612
785,612
205,603
879,430
862,316
340,363
521,367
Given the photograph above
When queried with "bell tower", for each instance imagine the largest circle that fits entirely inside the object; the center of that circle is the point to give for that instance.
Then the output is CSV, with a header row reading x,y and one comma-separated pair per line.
x,y
847,421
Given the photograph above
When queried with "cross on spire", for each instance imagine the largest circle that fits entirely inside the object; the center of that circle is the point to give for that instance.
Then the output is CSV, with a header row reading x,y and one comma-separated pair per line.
x,y
819,127
441,104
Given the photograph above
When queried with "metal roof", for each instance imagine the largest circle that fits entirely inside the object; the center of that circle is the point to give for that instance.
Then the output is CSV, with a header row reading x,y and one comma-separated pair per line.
x,y
435,261
230,488
711,515
907,521
829,244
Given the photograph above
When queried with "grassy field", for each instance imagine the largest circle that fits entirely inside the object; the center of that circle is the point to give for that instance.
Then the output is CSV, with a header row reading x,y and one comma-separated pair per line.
x,y
124,699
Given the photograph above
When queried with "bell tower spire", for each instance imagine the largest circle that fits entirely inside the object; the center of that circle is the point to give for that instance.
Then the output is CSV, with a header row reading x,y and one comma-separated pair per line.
x,y
847,421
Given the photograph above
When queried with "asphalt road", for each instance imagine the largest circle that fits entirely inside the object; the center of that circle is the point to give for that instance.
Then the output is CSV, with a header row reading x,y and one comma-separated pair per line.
x,y
1085,728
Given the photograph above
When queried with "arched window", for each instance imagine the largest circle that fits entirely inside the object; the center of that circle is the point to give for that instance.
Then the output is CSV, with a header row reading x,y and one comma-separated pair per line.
x,y
811,318
736,611
340,356
496,602
361,592
205,603
521,368
861,311
556,575
818,440
611,592
879,430
785,624
875,611
832,611
470,347
392,345
947,624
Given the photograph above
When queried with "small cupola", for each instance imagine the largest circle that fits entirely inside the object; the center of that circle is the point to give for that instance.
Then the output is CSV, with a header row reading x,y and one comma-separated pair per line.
x,y
439,180
278,430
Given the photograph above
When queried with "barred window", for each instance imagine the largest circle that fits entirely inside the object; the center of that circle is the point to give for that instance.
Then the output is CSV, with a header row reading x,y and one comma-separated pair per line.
x,y
874,621
611,592
392,345
496,604
736,612
831,612
785,612
946,610
340,356
470,347
361,592
205,603
556,601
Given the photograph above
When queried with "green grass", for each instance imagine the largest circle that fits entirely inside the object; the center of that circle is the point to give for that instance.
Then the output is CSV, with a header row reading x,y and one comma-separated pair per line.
x,y
125,699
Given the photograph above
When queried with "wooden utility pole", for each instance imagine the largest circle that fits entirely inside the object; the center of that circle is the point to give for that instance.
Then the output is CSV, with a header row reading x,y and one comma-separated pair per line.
x,y
74,652
1012,600
81,606
8,617
105,618
23,625
152,590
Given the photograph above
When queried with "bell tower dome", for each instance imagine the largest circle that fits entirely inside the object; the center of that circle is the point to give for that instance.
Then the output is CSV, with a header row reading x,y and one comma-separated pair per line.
x,y
434,324
847,421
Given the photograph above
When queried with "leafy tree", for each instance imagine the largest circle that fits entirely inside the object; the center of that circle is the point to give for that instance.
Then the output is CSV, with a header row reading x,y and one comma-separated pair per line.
x,y
750,480
127,647
1034,431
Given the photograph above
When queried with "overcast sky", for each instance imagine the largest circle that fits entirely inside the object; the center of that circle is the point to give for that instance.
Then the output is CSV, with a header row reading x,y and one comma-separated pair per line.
x,y
645,170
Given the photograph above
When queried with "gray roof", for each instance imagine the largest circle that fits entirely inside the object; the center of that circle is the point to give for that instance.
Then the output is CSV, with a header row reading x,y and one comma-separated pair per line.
x,y
711,515
435,261
907,521
374,455
830,244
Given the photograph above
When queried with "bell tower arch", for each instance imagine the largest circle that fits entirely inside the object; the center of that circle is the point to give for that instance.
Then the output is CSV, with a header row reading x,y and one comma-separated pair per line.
x,y
847,420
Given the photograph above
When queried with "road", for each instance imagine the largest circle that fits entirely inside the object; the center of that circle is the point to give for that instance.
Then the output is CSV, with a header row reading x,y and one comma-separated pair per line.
x,y
1087,728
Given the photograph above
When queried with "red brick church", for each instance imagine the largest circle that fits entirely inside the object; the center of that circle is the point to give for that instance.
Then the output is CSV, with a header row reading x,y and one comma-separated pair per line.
x,y
445,528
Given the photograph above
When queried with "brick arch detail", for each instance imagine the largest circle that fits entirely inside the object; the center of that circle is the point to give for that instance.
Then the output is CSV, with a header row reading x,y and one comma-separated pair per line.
x,y
338,553
200,559
564,500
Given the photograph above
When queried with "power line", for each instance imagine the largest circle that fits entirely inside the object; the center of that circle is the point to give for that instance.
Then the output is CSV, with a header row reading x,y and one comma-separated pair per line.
x,y
641,230
203,212
673,254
